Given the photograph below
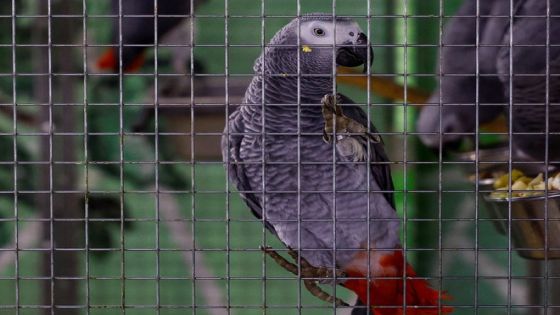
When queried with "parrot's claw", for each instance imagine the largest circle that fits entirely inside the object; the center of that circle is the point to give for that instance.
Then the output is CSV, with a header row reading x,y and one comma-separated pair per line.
x,y
330,103
283,262
331,112
340,125
314,289
308,271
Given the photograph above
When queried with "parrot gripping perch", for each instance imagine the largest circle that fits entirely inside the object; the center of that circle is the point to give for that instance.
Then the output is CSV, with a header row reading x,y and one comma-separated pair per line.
x,y
308,271
336,123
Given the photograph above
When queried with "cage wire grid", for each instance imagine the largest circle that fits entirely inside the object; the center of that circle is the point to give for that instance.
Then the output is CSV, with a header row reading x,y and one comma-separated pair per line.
x,y
55,216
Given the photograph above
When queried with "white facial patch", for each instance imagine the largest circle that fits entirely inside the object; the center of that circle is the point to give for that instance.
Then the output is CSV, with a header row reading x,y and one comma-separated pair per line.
x,y
322,33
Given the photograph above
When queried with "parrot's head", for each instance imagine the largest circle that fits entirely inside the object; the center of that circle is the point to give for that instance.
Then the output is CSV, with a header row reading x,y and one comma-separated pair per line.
x,y
321,43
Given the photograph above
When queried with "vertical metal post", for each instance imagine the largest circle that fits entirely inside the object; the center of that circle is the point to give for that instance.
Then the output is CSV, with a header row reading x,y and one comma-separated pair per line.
x,y
42,92
157,157
60,207
551,268
15,146
534,283
121,158
510,154
86,155
552,279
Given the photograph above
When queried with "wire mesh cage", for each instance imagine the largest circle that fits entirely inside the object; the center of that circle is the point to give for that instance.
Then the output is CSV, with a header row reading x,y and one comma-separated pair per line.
x,y
180,157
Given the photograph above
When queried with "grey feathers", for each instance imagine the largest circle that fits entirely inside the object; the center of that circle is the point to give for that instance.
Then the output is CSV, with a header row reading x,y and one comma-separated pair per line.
x,y
526,51
296,168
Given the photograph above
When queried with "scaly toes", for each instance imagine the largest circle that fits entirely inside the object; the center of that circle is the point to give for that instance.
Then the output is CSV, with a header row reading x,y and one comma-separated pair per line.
x,y
329,101
280,260
304,263
308,271
323,273
315,290
337,101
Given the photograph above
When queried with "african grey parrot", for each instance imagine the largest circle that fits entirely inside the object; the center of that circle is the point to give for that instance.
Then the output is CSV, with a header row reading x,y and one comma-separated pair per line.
x,y
458,85
297,203
138,31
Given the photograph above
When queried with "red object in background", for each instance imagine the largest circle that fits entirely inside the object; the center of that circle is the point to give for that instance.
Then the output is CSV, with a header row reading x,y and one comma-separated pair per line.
x,y
109,61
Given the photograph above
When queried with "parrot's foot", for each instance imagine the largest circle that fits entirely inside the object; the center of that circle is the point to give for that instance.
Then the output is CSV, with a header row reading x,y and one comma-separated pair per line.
x,y
315,272
330,103
340,125
308,271
331,114
283,262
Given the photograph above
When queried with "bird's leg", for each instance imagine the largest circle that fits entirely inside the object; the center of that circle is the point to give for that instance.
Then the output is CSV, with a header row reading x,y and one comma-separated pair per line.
x,y
316,291
308,271
283,262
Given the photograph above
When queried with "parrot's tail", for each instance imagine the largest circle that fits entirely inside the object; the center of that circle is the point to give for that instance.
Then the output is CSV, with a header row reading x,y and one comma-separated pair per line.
x,y
387,288
109,60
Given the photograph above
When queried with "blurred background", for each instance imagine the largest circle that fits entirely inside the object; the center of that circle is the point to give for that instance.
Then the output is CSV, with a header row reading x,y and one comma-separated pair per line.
x,y
125,190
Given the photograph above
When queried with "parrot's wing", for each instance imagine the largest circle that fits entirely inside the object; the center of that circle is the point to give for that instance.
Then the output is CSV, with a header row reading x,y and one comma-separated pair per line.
x,y
231,146
534,53
380,168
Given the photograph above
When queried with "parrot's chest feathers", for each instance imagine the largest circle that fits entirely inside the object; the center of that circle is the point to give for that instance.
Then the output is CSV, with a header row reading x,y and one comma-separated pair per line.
x,y
309,156
296,137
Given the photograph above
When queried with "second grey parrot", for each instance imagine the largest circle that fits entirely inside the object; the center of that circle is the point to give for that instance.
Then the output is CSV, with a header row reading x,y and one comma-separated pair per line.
x,y
336,213
459,83
138,26
535,95
529,62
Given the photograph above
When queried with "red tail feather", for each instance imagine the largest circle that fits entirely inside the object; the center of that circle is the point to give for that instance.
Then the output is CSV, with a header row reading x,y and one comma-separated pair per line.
x,y
420,298
110,61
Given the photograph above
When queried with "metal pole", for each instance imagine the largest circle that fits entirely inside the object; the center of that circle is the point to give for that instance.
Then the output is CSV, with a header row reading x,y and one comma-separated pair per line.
x,y
554,294
60,292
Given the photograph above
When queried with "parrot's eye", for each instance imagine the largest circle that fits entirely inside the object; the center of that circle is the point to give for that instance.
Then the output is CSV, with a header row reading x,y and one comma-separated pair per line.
x,y
318,31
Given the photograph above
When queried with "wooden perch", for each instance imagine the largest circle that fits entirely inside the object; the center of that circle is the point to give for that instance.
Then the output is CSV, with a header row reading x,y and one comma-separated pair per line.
x,y
394,91
381,86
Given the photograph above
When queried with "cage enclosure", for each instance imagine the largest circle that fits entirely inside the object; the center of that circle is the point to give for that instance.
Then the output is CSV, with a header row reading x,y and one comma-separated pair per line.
x,y
381,157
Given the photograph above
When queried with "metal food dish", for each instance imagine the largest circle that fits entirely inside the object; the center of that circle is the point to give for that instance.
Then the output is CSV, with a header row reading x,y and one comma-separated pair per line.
x,y
486,186
528,225
491,161
497,158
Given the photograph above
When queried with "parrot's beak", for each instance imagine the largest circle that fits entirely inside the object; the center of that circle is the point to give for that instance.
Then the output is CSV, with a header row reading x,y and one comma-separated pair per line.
x,y
355,55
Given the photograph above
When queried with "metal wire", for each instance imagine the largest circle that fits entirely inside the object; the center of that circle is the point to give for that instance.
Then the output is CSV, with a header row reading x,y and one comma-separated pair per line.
x,y
217,227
